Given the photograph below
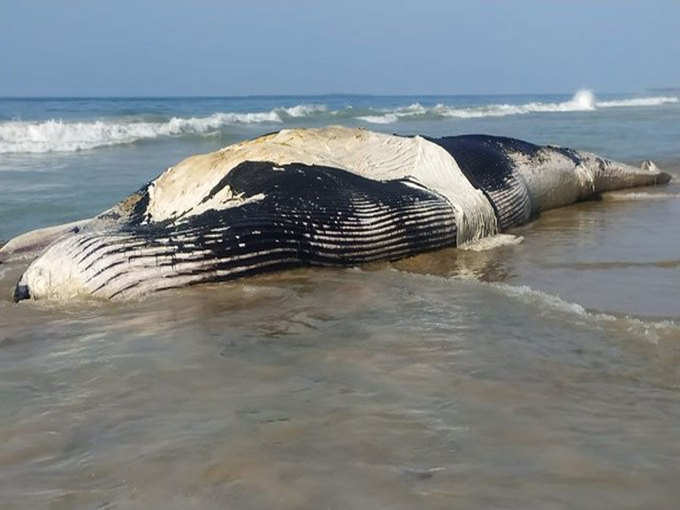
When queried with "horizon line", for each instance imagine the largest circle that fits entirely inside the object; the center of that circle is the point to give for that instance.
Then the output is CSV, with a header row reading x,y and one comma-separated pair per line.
x,y
329,94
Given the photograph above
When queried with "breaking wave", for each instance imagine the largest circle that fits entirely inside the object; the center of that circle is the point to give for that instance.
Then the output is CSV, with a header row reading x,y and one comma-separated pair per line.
x,y
651,330
582,101
640,101
57,135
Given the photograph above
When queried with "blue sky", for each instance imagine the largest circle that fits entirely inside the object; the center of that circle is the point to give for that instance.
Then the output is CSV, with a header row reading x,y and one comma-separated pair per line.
x,y
202,47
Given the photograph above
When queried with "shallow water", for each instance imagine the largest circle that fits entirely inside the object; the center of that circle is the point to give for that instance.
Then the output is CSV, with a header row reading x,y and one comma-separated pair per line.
x,y
544,374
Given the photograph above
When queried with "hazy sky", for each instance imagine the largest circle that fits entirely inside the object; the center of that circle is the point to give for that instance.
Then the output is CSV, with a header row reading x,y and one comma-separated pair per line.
x,y
204,47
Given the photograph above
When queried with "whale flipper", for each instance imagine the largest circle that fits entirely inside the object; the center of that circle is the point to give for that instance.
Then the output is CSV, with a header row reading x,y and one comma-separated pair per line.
x,y
31,242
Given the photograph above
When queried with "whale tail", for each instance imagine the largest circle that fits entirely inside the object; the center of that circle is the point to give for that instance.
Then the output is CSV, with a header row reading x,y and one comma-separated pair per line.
x,y
649,166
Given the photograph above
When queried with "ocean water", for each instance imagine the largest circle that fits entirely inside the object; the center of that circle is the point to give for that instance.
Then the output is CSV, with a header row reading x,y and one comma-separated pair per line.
x,y
543,374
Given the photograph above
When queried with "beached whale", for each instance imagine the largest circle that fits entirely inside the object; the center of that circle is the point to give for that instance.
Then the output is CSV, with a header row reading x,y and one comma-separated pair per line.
x,y
330,197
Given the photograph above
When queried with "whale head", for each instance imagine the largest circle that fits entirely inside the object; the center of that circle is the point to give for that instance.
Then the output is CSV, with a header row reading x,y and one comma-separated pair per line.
x,y
54,275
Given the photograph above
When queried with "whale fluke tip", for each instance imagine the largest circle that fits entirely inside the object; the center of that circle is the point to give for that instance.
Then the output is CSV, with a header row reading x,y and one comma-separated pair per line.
x,y
20,293
649,165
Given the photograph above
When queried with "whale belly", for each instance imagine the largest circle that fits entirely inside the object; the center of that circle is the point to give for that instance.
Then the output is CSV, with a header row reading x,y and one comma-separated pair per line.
x,y
291,215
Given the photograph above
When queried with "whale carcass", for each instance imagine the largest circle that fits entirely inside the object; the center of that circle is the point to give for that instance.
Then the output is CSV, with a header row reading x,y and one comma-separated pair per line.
x,y
329,197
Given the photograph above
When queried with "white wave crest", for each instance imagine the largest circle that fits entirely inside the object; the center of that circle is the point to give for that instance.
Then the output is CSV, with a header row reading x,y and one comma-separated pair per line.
x,y
412,110
639,101
551,305
63,136
302,110
582,101
543,299
651,330
388,118
59,136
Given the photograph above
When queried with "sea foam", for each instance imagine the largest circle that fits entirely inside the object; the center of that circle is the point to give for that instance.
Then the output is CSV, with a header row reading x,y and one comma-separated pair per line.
x,y
59,136
56,135
640,101
582,101
553,306
651,330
